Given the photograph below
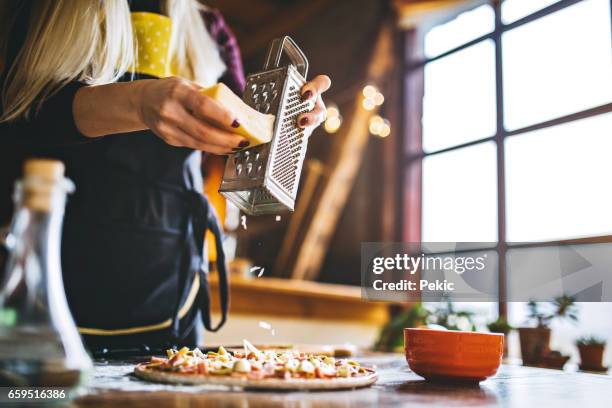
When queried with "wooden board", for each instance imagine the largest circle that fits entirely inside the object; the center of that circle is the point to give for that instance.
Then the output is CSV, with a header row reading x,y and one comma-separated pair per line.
x,y
300,299
266,384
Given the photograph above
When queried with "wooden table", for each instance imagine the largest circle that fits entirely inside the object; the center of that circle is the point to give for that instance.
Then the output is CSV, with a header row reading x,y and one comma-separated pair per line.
x,y
514,386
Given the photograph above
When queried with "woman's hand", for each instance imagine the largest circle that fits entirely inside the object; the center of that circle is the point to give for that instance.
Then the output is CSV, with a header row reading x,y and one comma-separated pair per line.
x,y
178,113
313,90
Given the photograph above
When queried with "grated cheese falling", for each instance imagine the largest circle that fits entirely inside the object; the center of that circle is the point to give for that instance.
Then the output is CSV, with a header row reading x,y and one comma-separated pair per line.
x,y
243,221
267,326
257,268
248,348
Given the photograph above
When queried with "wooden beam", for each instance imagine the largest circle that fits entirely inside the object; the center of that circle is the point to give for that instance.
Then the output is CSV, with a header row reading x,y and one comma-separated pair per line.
x,y
235,12
412,133
413,13
280,23
345,158
393,151
314,171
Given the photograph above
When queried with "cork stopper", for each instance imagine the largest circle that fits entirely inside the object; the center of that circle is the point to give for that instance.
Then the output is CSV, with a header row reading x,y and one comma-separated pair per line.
x,y
46,169
42,177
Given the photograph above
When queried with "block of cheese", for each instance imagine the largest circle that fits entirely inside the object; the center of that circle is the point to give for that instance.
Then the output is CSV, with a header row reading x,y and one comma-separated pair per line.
x,y
257,127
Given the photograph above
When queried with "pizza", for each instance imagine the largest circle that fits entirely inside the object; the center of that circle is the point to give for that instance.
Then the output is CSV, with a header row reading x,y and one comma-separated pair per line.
x,y
258,369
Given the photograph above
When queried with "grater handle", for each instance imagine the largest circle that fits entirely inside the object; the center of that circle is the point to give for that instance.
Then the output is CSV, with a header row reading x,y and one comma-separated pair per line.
x,y
296,56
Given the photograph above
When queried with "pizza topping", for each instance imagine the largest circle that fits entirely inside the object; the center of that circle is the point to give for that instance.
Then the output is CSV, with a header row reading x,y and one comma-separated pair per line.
x,y
197,353
291,365
242,366
222,371
202,368
329,360
256,364
343,371
250,349
306,367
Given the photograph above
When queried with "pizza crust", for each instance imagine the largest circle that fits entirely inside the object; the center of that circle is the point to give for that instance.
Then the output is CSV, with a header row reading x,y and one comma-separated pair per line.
x,y
148,374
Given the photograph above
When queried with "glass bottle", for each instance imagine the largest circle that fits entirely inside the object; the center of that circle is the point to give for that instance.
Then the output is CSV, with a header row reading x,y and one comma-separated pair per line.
x,y
39,342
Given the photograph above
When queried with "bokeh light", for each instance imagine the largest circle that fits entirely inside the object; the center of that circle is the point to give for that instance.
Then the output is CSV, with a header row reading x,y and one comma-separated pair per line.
x,y
334,119
369,91
379,126
368,104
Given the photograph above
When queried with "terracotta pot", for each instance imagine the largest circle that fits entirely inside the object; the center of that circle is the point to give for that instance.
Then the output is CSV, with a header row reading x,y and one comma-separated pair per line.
x,y
554,360
535,344
591,356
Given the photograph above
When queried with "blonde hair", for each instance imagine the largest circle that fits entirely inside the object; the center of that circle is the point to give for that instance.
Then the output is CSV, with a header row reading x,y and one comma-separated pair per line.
x,y
91,41
193,51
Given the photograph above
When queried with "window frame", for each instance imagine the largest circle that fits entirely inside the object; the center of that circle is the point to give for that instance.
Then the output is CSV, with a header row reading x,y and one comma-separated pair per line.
x,y
412,154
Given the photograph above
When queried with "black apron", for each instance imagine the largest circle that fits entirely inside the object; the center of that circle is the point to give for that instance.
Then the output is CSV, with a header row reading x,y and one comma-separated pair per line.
x,y
133,252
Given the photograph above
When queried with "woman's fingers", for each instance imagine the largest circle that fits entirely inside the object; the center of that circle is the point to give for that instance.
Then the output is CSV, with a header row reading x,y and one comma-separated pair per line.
x,y
214,149
315,117
206,108
181,115
312,90
203,119
178,137
172,135
203,132
315,87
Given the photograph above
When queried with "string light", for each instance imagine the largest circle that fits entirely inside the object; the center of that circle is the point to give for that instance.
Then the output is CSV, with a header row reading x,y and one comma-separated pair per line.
x,y
368,104
332,124
379,126
334,119
385,130
378,99
369,91
376,123
372,97
332,110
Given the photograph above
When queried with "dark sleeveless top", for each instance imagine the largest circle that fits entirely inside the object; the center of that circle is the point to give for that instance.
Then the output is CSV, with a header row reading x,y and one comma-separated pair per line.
x,y
132,247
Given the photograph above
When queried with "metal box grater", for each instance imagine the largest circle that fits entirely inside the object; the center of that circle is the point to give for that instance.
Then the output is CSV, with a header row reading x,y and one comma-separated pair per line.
x,y
264,179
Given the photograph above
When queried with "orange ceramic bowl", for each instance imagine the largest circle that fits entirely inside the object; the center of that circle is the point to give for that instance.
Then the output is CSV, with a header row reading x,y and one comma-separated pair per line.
x,y
440,355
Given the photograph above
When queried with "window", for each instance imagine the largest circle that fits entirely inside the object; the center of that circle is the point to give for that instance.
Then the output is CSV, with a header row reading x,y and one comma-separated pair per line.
x,y
447,121
515,142
459,195
555,66
555,181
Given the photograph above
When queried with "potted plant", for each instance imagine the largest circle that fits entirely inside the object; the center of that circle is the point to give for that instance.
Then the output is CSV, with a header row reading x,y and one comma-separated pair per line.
x,y
591,350
392,335
535,341
501,325
444,316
